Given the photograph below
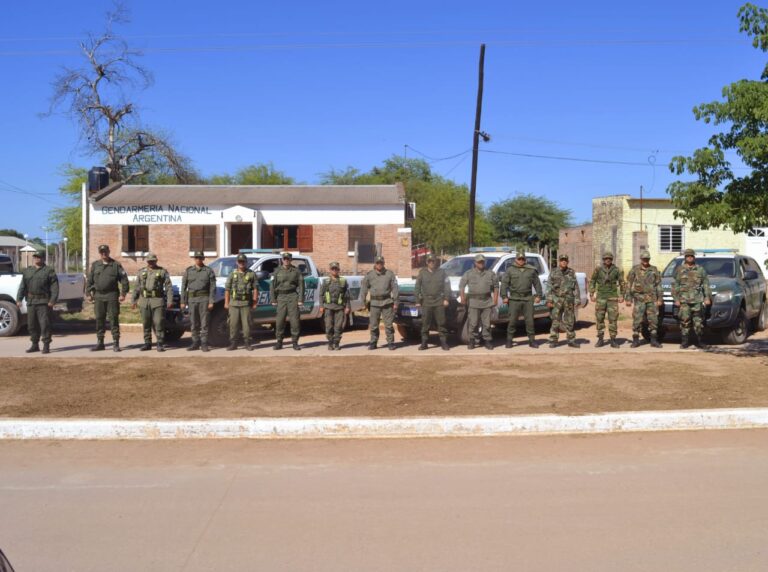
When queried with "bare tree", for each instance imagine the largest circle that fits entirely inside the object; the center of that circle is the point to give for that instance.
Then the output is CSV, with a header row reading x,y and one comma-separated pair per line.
x,y
98,97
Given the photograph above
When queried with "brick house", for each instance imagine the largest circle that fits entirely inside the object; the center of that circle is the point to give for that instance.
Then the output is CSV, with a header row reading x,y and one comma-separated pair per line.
x,y
324,221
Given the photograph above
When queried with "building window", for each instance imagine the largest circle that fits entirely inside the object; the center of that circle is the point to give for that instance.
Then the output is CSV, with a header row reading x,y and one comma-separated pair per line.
x,y
671,238
135,238
287,237
365,236
203,237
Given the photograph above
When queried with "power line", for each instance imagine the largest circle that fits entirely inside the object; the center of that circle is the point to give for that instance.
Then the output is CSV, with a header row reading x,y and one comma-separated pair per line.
x,y
577,159
18,190
438,159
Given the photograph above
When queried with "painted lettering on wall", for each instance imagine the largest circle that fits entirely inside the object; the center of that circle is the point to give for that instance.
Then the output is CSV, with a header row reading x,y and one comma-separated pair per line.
x,y
155,213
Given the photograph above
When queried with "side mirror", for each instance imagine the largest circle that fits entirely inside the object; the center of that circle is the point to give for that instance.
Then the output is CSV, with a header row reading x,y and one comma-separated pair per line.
x,y
750,275
262,275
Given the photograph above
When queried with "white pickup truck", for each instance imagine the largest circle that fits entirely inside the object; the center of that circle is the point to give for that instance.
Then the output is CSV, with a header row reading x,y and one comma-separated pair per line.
x,y
71,294
498,259
264,262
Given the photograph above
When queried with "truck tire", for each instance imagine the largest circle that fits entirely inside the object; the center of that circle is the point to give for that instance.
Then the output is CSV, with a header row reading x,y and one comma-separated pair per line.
x,y
173,334
10,321
218,328
463,332
739,332
759,321
407,333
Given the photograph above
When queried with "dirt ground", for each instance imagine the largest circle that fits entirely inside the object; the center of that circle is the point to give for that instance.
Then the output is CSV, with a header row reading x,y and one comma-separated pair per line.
x,y
380,386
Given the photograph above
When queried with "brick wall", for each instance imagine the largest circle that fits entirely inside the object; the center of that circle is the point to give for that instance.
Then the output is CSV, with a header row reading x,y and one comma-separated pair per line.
x,y
576,242
608,215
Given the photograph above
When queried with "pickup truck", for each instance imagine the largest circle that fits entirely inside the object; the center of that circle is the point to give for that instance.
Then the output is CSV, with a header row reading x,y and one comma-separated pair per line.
x,y
71,293
498,259
264,263
738,295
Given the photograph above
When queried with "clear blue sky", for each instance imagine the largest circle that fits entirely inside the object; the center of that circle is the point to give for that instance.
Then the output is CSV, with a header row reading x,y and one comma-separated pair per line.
x,y
311,86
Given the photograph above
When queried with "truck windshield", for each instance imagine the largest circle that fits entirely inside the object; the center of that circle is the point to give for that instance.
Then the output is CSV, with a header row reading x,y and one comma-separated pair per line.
x,y
723,267
223,267
459,265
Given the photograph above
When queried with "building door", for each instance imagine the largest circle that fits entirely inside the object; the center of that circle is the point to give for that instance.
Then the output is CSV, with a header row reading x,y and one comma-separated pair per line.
x,y
757,246
240,236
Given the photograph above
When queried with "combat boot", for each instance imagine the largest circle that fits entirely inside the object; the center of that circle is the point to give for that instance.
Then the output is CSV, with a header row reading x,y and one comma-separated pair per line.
x,y
655,341
372,346
46,347
99,347
532,343
489,345
635,342
35,347
232,346
470,345
248,347
330,346
444,345
600,342
509,344
195,346
552,344
160,347
336,346
205,348
278,345
423,346
116,346
573,344
391,347
296,346
146,347
614,343
684,345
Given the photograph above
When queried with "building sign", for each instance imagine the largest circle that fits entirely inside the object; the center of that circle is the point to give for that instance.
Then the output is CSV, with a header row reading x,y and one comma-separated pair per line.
x,y
154,214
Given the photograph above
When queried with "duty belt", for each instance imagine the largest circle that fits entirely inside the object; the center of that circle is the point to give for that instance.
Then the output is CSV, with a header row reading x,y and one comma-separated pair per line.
x,y
196,293
288,291
478,296
385,297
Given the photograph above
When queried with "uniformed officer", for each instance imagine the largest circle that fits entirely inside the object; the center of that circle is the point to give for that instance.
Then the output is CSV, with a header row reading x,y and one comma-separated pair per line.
x,y
153,293
691,290
107,288
644,289
382,285
481,297
40,286
198,291
334,305
517,286
240,294
562,293
286,290
433,293
606,289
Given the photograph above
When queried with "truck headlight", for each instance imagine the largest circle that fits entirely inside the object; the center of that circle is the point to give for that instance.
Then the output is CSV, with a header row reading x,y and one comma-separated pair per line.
x,y
721,297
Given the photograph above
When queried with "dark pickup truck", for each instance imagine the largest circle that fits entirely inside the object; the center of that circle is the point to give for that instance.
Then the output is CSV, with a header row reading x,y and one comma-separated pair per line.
x,y
738,295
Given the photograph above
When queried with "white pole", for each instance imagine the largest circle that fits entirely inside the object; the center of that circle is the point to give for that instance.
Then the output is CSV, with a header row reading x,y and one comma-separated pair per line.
x,y
85,220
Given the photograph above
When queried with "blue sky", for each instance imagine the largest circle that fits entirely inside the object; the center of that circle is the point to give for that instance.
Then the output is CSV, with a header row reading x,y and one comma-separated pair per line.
x,y
312,86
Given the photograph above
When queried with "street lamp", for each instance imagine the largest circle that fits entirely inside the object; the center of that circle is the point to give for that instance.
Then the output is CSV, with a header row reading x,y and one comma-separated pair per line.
x,y
46,229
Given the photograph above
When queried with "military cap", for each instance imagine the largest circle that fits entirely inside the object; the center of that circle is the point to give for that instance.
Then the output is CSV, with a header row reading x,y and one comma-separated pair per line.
x,y
431,257
287,255
242,257
479,258
520,251
607,255
334,264
689,252
151,257
103,248
563,257
645,255
198,254
379,259
39,254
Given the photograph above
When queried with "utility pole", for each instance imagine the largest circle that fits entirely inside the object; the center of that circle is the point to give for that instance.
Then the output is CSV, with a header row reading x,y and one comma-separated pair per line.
x,y
475,144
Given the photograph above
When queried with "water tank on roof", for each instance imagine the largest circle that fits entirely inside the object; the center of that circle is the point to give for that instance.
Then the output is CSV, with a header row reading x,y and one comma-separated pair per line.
x,y
98,178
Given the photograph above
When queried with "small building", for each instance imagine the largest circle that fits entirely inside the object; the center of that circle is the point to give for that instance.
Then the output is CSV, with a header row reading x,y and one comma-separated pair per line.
x,y
576,242
325,221
19,250
627,225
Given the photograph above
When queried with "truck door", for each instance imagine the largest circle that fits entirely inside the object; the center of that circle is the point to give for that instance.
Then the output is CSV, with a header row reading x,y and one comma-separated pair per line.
x,y
311,284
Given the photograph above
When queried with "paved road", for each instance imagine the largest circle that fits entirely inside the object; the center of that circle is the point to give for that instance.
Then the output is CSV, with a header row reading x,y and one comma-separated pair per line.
x,y
674,501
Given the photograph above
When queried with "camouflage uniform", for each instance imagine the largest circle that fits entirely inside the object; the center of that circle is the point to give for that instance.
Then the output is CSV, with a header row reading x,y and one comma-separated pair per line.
x,y
384,292
198,290
40,286
106,283
240,286
287,290
643,287
607,283
480,285
334,296
517,286
562,292
152,292
690,287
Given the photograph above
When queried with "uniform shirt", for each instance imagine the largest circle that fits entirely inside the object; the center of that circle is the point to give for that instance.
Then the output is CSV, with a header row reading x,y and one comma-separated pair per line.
x,y
39,285
334,293
432,287
690,284
382,286
107,280
607,282
240,286
644,284
286,281
519,281
480,286
200,279
153,283
562,285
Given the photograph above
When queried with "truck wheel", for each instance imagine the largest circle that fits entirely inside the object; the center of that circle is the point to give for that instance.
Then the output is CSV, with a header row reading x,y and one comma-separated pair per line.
x,y
173,334
218,328
9,319
407,333
738,334
463,332
759,321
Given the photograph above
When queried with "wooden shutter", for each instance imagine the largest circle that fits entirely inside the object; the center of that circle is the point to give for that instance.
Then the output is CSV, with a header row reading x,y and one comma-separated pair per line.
x,y
142,238
209,238
196,237
304,236
126,239
267,236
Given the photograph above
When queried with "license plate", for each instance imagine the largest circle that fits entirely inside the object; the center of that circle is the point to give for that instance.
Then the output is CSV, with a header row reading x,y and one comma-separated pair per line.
x,y
410,311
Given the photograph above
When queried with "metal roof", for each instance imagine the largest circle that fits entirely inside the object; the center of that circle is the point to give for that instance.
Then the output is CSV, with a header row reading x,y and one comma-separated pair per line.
x,y
12,241
246,195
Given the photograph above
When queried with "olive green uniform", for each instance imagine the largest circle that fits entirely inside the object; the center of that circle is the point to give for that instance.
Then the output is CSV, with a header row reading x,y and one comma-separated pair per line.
x,y
198,290
432,289
517,286
40,286
334,296
480,285
384,292
240,286
690,287
607,285
152,292
562,291
287,289
106,283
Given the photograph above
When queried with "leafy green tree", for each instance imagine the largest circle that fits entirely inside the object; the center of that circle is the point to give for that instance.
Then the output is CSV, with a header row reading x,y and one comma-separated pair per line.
x,y
528,219
442,206
257,174
11,232
68,220
717,197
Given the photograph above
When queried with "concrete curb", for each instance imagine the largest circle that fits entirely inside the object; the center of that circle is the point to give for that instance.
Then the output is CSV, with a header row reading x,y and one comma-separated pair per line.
x,y
335,428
